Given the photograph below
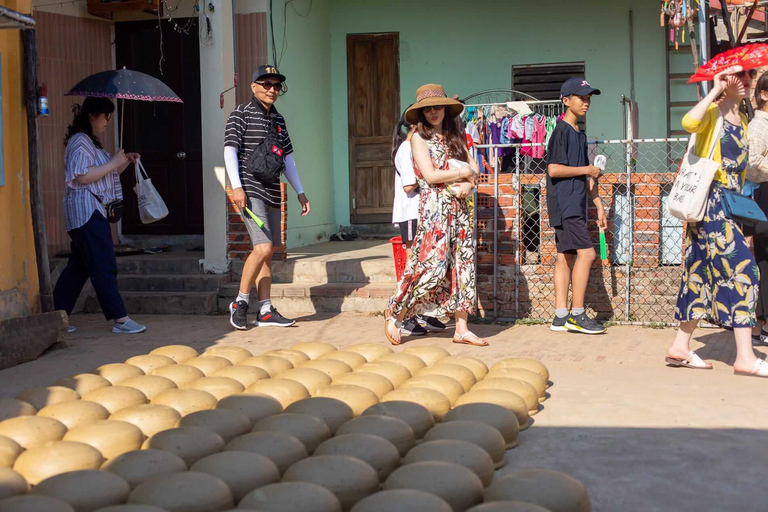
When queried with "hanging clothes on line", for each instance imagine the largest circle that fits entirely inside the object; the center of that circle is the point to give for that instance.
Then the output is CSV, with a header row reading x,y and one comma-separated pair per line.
x,y
501,124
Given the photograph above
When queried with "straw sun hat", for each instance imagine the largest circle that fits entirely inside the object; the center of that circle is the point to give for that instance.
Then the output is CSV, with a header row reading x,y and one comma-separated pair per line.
x,y
431,95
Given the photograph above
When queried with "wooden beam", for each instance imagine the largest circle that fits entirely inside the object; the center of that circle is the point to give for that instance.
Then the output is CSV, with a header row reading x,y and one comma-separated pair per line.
x,y
746,23
694,52
29,45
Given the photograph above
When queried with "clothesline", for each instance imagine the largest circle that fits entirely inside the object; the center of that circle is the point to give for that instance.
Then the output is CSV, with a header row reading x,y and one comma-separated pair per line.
x,y
504,104
513,127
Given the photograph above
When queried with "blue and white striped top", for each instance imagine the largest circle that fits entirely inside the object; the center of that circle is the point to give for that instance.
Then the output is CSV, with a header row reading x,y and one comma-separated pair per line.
x,y
79,203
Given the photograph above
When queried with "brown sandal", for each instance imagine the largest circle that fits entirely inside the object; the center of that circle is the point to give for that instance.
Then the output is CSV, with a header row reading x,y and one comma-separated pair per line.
x,y
463,341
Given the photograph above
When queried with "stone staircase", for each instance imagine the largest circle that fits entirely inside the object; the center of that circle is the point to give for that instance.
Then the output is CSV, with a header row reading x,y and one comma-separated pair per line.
x,y
168,283
327,278
324,278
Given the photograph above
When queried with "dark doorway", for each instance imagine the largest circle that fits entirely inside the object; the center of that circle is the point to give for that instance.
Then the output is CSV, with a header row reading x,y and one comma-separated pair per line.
x,y
167,135
373,88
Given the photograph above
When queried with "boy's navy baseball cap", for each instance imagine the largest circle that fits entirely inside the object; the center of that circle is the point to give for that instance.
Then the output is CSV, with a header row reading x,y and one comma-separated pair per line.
x,y
265,71
577,85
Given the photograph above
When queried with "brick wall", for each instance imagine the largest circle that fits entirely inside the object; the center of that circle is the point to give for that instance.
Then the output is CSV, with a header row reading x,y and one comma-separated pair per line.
x,y
238,242
531,294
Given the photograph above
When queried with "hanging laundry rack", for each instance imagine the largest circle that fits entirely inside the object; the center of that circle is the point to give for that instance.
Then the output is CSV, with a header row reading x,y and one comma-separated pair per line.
x,y
548,109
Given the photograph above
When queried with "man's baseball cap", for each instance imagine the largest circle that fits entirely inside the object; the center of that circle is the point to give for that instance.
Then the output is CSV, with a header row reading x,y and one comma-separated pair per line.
x,y
577,85
266,71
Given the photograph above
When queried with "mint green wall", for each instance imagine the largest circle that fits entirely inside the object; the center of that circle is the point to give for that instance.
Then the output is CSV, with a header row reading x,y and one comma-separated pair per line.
x,y
469,47
307,110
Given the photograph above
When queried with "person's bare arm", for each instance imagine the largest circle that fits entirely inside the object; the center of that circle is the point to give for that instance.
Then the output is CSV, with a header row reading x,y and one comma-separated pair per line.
x,y
692,120
565,171
410,188
594,195
432,176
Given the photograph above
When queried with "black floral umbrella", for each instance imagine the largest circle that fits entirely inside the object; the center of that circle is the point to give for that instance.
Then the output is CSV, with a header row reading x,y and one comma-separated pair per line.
x,y
124,84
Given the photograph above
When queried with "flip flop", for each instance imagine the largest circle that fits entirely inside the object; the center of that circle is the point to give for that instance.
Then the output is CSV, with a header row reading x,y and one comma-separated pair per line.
x,y
463,341
398,324
760,369
694,362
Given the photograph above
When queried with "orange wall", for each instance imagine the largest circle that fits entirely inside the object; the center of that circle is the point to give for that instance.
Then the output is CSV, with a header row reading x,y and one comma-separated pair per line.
x,y
19,292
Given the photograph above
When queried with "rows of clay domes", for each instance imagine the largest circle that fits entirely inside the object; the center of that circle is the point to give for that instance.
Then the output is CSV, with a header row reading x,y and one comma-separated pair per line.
x,y
323,420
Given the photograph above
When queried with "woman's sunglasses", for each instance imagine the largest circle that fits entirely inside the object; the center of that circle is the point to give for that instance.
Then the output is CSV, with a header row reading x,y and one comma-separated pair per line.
x,y
743,74
434,107
108,116
269,85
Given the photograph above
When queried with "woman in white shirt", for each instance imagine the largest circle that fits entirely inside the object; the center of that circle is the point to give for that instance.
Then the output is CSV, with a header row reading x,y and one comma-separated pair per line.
x,y
405,213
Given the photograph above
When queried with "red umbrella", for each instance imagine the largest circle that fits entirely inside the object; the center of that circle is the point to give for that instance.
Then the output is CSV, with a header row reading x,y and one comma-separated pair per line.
x,y
749,56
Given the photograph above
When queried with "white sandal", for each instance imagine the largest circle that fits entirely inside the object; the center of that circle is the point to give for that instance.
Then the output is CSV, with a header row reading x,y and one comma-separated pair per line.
x,y
759,369
693,361
397,323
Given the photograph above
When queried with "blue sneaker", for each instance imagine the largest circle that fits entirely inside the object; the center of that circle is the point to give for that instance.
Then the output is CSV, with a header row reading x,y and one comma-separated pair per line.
x,y
128,327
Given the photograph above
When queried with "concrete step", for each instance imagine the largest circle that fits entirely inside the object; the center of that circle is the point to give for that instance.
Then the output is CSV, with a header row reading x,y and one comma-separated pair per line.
x,y
162,303
362,271
319,297
164,263
361,261
171,282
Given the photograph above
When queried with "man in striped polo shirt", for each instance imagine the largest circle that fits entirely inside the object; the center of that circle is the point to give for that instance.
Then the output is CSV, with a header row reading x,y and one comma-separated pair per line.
x,y
248,127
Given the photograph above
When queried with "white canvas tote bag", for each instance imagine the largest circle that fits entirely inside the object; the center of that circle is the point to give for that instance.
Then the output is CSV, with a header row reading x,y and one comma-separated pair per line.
x,y
688,198
151,206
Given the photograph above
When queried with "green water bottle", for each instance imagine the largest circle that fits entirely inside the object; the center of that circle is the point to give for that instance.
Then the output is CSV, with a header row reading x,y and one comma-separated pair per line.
x,y
603,248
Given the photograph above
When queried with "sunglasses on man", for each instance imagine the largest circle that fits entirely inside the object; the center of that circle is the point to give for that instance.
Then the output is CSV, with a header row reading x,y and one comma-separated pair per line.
x,y
278,86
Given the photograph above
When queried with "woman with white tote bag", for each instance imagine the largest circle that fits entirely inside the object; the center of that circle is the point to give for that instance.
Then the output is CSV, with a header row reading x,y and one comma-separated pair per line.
x,y
720,278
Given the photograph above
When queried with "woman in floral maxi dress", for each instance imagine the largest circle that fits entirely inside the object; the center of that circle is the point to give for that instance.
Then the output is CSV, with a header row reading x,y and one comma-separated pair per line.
x,y
441,266
720,278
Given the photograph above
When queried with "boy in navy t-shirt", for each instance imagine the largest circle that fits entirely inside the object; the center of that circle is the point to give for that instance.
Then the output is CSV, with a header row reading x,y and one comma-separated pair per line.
x,y
570,179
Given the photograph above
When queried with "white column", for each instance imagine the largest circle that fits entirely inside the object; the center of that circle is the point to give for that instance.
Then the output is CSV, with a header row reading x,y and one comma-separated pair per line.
x,y
216,75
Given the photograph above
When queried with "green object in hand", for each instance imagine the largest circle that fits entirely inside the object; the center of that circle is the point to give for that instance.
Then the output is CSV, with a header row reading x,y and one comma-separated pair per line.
x,y
603,248
257,220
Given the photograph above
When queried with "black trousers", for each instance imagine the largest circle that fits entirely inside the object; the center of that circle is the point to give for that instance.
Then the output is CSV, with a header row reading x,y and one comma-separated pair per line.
x,y
93,256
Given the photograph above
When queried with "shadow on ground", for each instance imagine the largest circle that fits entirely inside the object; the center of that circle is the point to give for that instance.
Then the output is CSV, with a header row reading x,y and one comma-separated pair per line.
x,y
653,469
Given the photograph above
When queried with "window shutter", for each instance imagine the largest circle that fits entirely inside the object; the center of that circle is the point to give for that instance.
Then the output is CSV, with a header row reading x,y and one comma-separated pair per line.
x,y
543,81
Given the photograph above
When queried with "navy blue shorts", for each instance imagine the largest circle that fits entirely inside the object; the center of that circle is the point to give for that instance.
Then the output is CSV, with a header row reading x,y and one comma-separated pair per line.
x,y
572,235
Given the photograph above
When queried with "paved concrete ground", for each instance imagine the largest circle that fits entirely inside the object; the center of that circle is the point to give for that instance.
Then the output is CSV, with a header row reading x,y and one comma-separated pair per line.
x,y
641,436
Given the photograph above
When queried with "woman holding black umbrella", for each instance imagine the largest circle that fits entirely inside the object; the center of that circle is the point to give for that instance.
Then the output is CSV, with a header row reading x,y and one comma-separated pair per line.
x,y
92,199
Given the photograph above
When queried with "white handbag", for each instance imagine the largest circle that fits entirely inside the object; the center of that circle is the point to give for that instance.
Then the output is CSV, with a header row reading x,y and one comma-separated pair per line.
x,y
454,164
151,206
688,198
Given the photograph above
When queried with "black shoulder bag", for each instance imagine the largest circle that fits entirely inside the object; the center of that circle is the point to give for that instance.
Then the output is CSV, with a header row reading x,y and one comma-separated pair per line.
x,y
266,162
114,209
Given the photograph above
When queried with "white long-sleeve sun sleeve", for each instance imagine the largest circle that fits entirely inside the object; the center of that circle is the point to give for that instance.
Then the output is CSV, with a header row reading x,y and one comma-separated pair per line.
x,y
232,164
292,174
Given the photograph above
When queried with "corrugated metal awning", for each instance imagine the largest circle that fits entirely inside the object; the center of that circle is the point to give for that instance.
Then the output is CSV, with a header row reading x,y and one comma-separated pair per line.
x,y
12,19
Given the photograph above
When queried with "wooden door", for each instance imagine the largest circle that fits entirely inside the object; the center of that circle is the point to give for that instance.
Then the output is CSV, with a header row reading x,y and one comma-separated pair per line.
x,y
167,135
373,81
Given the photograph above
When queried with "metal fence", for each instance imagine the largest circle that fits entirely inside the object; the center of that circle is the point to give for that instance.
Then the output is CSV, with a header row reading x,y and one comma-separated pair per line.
x,y
637,283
